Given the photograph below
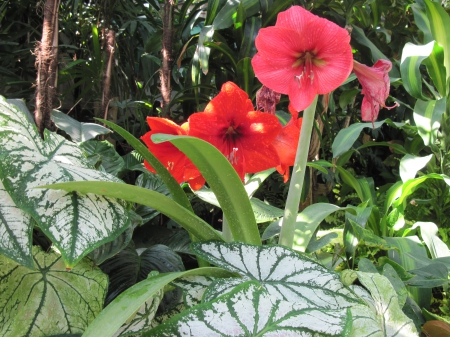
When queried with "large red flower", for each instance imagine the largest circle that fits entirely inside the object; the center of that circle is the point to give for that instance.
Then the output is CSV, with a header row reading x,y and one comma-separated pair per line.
x,y
302,55
173,159
243,135
375,87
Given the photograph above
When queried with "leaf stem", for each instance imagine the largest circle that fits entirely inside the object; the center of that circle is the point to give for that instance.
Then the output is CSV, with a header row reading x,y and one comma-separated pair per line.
x,y
298,175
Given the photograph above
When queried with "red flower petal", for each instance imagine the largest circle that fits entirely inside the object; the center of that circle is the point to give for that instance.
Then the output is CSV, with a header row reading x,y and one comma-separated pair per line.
x,y
375,87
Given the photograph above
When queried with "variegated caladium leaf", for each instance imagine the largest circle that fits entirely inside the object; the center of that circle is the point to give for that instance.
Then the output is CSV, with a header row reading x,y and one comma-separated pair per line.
x,y
382,317
49,300
142,320
285,273
16,231
193,288
249,310
75,223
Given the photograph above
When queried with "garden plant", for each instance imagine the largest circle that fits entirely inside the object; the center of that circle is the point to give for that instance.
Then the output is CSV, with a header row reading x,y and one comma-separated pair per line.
x,y
225,168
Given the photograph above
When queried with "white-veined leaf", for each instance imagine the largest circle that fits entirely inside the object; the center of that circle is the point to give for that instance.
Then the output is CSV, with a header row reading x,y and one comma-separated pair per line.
x,y
50,300
285,273
75,223
142,320
249,310
386,318
16,230
193,288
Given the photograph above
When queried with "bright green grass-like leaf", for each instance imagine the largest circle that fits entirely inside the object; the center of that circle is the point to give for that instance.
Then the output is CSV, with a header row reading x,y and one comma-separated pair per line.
x,y
435,69
412,57
75,223
49,300
249,310
385,317
428,116
224,182
206,35
347,137
440,24
78,132
125,306
285,274
410,165
16,231
192,223
245,75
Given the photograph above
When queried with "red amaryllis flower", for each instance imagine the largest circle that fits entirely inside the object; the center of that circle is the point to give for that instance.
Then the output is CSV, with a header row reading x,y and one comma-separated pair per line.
x,y
173,159
302,55
286,143
243,135
375,87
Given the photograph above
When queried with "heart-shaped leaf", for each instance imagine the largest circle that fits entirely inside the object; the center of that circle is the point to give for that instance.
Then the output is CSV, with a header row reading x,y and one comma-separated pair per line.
x,y
49,300
285,273
75,223
249,310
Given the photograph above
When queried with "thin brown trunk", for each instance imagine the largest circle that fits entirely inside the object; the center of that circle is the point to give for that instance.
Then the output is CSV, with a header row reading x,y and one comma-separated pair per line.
x,y
167,57
47,67
110,47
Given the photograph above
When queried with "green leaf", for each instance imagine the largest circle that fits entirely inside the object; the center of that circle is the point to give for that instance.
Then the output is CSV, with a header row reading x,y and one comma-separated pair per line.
x,y
75,223
227,15
245,75
361,38
440,24
193,288
433,275
49,300
284,273
223,48
367,237
78,132
251,30
410,165
435,69
412,57
347,137
128,303
385,317
428,116
16,231
193,224
363,187
177,192
276,7
206,35
224,182
111,161
250,311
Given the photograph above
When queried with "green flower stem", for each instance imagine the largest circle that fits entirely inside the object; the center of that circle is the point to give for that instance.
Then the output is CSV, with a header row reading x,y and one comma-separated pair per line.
x,y
297,178
226,231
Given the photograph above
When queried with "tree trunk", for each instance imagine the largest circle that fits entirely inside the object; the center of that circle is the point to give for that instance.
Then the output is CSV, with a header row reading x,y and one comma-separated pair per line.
x,y
110,47
47,67
167,57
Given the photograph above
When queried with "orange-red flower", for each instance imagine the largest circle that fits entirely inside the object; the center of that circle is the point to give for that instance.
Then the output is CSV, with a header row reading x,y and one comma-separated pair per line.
x,y
286,143
302,55
173,159
375,87
243,135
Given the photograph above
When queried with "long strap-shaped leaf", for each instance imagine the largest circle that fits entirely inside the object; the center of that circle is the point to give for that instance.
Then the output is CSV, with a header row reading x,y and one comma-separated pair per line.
x,y
224,182
175,189
188,220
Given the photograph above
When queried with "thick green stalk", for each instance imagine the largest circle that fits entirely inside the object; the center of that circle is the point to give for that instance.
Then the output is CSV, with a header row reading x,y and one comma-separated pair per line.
x,y
298,175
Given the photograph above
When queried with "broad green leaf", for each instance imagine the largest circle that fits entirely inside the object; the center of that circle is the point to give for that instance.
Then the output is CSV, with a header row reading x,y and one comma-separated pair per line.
x,y
213,8
206,35
367,237
412,57
363,186
429,234
251,30
347,137
275,8
227,15
75,223
256,180
224,182
49,300
432,275
284,273
388,319
111,161
223,48
359,35
78,132
133,161
250,311
177,192
428,116
264,212
440,24
16,231
435,69
128,303
410,165
421,20
413,246
193,224
20,104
